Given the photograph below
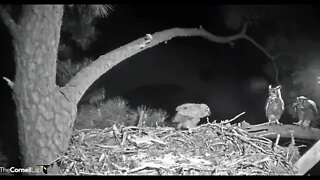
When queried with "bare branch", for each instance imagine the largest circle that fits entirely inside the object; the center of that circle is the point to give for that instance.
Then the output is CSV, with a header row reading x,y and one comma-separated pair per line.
x,y
244,29
9,22
83,79
272,58
236,117
10,83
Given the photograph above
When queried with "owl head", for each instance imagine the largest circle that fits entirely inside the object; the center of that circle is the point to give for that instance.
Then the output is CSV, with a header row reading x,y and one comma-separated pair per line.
x,y
276,91
301,99
303,102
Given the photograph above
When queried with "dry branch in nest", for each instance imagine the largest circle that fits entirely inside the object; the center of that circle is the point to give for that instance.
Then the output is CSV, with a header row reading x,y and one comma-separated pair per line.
x,y
209,149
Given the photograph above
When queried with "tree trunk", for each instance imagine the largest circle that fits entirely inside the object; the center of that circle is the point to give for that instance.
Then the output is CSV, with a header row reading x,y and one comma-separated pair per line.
x,y
45,112
45,117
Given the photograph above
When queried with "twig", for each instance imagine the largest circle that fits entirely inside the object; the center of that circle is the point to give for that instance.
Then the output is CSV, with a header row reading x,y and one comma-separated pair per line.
x,y
10,83
277,140
9,22
272,58
78,85
251,143
141,116
228,121
106,146
124,137
147,165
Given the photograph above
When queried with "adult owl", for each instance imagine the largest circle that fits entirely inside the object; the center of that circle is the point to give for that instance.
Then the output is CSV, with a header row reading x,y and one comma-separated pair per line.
x,y
305,110
274,105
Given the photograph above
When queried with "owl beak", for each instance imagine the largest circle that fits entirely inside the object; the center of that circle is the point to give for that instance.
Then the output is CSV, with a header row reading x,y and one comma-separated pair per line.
x,y
208,112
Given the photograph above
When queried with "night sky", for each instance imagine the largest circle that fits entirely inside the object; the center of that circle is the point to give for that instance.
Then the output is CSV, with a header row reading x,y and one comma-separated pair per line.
x,y
230,80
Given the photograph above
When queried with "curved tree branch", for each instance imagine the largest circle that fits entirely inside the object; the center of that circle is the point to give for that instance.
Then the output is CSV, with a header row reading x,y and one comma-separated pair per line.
x,y
9,22
77,86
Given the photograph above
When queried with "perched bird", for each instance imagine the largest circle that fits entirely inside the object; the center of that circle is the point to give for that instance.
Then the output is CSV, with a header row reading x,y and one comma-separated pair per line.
x,y
274,105
306,110
189,114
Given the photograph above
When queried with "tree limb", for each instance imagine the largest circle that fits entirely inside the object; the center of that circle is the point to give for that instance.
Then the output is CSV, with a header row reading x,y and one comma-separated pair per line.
x,y
272,58
77,85
9,22
271,131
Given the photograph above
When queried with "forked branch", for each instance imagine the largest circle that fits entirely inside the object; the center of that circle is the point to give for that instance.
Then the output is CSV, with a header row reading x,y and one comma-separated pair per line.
x,y
77,86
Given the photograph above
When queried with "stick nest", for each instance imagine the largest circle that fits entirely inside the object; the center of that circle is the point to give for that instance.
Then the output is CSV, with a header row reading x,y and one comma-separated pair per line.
x,y
209,149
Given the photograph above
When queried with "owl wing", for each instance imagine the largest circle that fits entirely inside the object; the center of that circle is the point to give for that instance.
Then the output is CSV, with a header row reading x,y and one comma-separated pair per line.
x,y
192,112
313,106
189,109
186,106
267,106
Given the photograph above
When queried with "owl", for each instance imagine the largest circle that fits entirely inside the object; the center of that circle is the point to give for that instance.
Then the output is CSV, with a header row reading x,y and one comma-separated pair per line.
x,y
305,110
189,114
274,105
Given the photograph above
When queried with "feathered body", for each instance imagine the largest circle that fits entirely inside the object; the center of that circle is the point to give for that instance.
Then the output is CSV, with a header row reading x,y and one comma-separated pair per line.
x,y
306,110
274,105
189,114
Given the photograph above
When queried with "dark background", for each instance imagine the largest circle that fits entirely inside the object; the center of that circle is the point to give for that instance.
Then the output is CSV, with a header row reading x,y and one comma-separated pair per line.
x,y
230,80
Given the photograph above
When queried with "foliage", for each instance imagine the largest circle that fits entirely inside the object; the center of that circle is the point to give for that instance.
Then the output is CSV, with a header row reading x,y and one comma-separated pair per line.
x,y
157,118
152,117
79,23
101,10
66,70
117,110
78,33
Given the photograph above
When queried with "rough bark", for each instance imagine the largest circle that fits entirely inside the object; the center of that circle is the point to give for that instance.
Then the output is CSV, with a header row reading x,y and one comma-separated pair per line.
x,y
45,117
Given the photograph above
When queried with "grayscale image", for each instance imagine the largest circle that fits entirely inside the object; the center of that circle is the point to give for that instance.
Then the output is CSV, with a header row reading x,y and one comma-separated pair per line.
x,y
160,89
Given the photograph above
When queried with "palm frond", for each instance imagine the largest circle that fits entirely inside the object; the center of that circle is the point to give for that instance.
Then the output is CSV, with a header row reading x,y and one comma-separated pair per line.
x,y
102,10
97,10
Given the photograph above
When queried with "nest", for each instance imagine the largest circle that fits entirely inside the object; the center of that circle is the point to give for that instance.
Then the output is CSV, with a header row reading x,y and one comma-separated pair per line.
x,y
209,149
